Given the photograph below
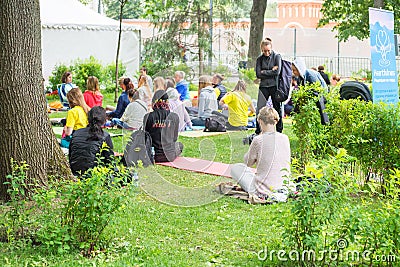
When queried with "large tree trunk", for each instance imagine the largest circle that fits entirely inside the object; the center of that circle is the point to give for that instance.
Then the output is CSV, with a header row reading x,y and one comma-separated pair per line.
x,y
25,130
256,30
379,3
121,10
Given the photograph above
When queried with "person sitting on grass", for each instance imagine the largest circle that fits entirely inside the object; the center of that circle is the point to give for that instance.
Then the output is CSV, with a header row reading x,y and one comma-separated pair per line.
x,y
145,93
65,87
207,101
92,95
270,151
163,127
238,103
177,106
133,116
90,145
76,116
123,100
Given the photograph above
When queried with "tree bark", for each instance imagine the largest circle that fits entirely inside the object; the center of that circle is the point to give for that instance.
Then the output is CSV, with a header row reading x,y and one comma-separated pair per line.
x,y
122,4
256,30
379,3
25,130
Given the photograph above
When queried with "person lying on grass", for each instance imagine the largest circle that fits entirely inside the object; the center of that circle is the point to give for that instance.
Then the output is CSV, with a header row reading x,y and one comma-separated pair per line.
x,y
89,143
270,151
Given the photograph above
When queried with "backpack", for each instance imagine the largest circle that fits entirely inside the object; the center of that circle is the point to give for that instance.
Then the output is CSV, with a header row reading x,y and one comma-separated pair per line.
x,y
139,148
284,81
215,124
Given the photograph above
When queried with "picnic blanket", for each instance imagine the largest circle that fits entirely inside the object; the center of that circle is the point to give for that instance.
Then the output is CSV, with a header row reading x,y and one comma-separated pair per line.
x,y
235,191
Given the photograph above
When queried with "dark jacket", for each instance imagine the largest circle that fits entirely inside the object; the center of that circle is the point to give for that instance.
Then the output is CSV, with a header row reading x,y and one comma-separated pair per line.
x,y
83,152
163,127
264,70
325,77
222,91
123,102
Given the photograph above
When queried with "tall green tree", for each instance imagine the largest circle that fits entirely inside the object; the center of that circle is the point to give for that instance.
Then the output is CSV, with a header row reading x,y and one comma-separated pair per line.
x,y
351,16
25,132
183,24
133,9
256,30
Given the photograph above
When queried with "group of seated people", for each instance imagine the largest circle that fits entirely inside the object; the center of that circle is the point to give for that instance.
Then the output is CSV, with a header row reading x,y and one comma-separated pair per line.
x,y
164,116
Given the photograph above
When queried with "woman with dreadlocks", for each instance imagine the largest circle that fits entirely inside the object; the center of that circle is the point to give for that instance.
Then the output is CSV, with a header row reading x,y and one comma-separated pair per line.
x,y
163,127
91,144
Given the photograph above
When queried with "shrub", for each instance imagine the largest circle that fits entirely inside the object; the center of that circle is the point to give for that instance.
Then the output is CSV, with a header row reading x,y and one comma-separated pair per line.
x,y
82,69
76,213
307,126
17,219
369,132
249,75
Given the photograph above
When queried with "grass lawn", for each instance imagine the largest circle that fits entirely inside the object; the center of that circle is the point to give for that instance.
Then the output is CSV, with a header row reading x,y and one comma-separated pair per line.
x,y
215,231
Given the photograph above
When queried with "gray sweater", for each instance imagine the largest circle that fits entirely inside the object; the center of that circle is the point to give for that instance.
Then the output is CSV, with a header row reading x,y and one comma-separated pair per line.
x,y
207,102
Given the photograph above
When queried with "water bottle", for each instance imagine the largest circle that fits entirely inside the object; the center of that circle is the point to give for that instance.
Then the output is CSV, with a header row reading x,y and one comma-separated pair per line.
x,y
135,179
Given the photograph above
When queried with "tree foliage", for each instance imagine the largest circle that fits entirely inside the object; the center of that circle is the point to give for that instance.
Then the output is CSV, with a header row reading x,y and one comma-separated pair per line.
x,y
133,9
183,25
352,17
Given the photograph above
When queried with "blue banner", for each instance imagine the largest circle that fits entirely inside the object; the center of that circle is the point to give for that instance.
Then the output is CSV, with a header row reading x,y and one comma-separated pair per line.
x,y
384,73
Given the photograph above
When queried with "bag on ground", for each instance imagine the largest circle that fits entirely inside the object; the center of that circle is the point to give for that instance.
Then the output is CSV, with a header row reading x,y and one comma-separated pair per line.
x,y
215,124
139,148
284,81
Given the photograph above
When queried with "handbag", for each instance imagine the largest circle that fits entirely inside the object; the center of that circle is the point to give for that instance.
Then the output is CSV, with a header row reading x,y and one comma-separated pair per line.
x,y
215,124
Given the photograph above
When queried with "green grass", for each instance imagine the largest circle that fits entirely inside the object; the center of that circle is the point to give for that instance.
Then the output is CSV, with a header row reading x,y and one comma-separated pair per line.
x,y
215,231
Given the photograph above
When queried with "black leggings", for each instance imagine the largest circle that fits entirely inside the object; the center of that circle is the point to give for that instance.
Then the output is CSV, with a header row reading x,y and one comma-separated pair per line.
x,y
263,94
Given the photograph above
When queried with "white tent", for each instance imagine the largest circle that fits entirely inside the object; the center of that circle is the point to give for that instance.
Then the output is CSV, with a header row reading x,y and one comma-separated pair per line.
x,y
71,30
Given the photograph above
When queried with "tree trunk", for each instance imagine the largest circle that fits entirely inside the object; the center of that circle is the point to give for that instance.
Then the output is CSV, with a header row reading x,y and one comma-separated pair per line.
x,y
379,3
122,4
25,131
256,30
199,35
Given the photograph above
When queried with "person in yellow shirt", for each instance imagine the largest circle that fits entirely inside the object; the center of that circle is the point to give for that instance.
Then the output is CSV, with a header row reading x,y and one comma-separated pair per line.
x,y
76,117
238,103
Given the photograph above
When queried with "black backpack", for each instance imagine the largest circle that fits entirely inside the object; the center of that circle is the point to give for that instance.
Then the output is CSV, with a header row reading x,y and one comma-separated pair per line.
x,y
139,148
284,81
215,124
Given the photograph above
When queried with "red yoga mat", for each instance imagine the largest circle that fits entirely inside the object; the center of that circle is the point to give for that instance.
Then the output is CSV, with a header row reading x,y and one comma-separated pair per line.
x,y
200,165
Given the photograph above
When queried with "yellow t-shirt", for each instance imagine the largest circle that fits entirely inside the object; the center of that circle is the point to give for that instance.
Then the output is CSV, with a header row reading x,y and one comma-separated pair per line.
x,y
76,118
238,105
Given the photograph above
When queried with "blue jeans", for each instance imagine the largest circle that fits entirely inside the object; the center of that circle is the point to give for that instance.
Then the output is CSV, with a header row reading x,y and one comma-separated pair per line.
x,y
118,122
198,122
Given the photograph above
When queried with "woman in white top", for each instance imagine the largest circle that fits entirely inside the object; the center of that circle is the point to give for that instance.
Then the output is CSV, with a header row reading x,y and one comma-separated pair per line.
x,y
270,151
134,112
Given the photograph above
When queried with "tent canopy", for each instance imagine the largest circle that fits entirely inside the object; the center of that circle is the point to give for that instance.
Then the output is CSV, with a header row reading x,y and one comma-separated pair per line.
x,y
70,30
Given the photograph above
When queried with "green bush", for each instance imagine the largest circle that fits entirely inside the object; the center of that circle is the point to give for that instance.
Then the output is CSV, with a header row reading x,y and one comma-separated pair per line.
x,y
249,75
369,132
15,224
82,69
307,126
57,73
85,208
